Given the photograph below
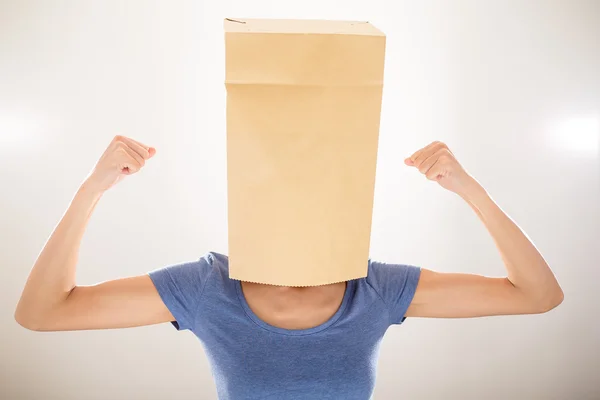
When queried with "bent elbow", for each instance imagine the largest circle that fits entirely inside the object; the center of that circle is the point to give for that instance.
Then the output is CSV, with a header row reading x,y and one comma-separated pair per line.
x,y
551,301
26,322
29,321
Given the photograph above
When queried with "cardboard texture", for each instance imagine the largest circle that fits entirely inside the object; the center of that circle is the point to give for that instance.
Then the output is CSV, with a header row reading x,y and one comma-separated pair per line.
x,y
303,109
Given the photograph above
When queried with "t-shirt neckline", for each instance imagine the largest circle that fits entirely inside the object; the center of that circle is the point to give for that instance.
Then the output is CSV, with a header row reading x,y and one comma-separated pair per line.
x,y
294,332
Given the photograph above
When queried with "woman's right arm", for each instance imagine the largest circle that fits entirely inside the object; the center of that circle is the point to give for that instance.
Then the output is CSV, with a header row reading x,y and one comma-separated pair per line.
x,y
51,300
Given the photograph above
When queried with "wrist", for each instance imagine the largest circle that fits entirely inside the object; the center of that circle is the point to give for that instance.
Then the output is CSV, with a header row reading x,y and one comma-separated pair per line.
x,y
472,191
88,191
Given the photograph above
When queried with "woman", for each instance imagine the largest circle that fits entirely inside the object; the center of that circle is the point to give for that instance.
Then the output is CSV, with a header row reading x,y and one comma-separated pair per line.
x,y
273,342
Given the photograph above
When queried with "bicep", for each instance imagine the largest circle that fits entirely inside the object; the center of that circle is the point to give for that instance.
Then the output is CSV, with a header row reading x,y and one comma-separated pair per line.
x,y
455,295
120,303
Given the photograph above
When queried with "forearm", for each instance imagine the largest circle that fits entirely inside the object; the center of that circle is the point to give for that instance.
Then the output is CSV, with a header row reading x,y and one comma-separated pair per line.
x,y
526,267
53,275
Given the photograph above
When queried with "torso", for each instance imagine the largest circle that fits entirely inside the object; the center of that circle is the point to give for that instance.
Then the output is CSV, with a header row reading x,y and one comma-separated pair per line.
x,y
294,307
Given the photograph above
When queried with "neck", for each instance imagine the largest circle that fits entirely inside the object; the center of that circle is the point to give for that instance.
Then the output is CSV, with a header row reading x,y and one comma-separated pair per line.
x,y
287,295
294,307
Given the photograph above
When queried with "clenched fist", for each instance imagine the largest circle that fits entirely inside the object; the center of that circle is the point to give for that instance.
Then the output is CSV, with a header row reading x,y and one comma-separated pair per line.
x,y
124,156
437,163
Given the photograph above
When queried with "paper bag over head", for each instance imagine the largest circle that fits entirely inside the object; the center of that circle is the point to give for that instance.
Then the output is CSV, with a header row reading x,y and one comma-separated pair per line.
x,y
303,108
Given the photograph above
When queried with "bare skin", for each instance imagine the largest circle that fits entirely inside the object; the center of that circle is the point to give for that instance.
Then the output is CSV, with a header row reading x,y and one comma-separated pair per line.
x,y
52,301
294,307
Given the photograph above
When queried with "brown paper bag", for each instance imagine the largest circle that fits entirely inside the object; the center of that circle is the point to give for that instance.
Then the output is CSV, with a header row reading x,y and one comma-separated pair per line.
x,y
303,107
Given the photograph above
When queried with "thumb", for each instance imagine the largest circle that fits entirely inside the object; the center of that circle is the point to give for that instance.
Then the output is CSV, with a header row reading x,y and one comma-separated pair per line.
x,y
408,162
151,151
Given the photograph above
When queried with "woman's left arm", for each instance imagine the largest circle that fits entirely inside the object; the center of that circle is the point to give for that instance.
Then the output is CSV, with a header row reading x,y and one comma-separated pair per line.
x,y
529,287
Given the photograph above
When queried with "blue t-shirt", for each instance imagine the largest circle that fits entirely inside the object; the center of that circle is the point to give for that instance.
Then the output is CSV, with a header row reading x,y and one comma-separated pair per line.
x,y
251,359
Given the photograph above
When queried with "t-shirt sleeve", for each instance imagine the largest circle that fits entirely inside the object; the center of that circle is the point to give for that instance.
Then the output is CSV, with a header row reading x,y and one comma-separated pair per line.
x,y
396,285
180,287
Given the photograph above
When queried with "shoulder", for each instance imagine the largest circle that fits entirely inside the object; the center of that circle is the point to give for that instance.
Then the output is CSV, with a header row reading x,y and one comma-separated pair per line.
x,y
381,272
190,272
392,280
209,263
395,284
216,260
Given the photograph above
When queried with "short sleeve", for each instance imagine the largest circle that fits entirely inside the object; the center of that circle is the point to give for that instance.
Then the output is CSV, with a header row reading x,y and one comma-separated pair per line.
x,y
396,285
180,287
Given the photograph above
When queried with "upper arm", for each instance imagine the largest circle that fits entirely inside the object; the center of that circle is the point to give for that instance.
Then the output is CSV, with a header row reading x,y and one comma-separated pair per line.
x,y
168,294
455,295
119,303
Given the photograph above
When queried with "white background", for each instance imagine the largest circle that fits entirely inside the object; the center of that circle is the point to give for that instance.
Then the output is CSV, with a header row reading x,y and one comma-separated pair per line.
x,y
513,87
